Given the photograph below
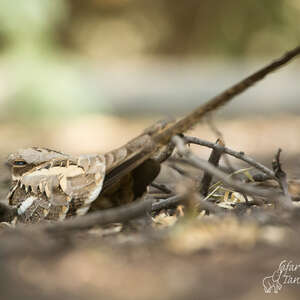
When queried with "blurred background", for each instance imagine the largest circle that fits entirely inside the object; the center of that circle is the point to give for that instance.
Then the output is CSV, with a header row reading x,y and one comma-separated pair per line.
x,y
86,76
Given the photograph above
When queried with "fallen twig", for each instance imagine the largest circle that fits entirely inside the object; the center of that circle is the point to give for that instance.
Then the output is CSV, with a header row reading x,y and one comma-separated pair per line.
x,y
214,159
161,187
165,203
114,215
260,177
280,174
239,155
244,188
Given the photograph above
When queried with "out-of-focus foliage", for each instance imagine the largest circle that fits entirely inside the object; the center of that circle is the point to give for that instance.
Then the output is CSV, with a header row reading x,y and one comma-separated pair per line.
x,y
193,27
29,20
38,76
48,48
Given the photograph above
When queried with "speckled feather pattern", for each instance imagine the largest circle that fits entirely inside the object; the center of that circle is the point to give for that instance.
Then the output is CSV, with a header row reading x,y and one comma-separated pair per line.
x,y
57,188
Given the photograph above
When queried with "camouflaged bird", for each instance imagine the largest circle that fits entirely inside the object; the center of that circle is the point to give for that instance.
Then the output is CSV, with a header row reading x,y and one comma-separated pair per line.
x,y
50,185
47,184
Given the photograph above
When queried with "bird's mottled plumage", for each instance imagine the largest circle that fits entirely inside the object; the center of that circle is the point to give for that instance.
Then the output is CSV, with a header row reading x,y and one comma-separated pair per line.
x,y
52,185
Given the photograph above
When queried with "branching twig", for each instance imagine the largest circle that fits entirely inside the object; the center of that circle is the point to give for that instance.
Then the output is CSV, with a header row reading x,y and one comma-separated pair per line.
x,y
244,188
218,133
214,159
239,155
280,174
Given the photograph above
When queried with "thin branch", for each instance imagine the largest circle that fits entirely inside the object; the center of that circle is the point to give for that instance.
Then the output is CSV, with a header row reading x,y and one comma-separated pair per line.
x,y
214,159
190,120
165,203
239,155
175,200
280,174
161,187
244,188
218,133
114,215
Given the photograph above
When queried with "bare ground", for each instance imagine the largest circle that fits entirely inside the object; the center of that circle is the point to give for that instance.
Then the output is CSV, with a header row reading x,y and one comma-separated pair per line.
x,y
211,257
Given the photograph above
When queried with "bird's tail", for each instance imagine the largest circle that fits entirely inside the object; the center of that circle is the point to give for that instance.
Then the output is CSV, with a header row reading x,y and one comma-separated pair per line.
x,y
124,159
190,120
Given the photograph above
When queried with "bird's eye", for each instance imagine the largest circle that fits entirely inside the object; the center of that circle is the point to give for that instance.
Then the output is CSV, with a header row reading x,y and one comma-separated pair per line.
x,y
19,163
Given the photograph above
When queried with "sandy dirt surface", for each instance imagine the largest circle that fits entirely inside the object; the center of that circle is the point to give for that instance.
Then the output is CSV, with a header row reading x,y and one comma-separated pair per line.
x,y
208,258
